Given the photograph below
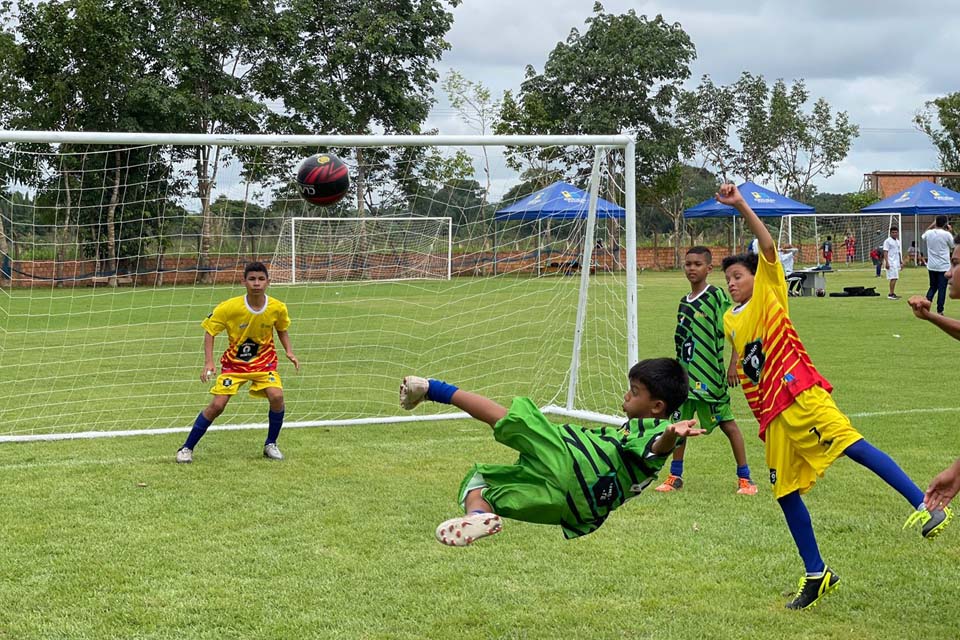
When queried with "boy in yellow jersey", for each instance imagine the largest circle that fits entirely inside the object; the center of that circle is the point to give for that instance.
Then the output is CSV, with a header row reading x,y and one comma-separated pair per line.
x,y
803,429
249,321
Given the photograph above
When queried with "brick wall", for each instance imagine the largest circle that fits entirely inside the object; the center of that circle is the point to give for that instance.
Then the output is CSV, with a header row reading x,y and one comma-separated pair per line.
x,y
181,271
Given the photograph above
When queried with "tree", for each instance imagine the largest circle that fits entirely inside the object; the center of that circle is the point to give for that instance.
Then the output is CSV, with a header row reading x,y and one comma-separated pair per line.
x,y
940,120
359,67
765,133
622,74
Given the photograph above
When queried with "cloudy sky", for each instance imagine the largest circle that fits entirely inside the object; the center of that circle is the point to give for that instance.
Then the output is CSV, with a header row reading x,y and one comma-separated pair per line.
x,y
879,61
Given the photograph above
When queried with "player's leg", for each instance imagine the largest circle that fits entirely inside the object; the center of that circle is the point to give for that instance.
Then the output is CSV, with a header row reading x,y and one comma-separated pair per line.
x,y
745,484
274,423
203,421
674,481
941,290
269,385
931,522
413,390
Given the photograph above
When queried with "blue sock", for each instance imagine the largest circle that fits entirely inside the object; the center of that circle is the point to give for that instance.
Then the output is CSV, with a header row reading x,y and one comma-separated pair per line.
x,y
199,428
275,421
862,452
744,472
798,521
440,391
676,468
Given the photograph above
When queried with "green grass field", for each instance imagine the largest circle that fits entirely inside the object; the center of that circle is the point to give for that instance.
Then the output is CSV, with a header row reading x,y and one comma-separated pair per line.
x,y
111,539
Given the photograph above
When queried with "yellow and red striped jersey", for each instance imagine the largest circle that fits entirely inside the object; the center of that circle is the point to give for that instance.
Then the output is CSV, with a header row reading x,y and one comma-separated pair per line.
x,y
250,332
774,367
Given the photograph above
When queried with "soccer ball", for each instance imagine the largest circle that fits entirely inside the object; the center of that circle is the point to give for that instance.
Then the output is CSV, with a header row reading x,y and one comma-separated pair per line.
x,y
323,179
821,293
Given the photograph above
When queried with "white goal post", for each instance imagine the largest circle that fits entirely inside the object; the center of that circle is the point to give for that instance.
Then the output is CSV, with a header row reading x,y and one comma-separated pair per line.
x,y
114,246
363,248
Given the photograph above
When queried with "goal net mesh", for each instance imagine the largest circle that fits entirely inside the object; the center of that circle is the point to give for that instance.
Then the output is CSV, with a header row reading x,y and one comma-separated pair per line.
x,y
113,255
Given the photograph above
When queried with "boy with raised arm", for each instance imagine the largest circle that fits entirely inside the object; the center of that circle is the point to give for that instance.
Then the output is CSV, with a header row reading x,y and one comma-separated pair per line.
x,y
803,430
699,342
566,475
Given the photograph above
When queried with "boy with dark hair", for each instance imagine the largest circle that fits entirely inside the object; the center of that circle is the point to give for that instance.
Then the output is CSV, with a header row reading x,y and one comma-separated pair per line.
x,y
699,342
893,260
803,430
827,250
566,475
249,321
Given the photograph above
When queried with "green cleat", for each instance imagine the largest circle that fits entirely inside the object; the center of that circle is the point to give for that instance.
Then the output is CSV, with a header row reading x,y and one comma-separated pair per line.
x,y
931,522
812,590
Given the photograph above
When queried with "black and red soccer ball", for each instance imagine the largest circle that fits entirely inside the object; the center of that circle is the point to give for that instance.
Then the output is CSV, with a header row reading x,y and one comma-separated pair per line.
x,y
323,179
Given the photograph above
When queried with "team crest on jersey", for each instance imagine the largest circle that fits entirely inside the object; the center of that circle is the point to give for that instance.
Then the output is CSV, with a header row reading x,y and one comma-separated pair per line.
x,y
773,476
675,416
753,359
605,491
247,351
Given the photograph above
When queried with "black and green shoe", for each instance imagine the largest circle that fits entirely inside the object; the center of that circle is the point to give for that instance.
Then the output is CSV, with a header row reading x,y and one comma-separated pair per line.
x,y
812,590
931,522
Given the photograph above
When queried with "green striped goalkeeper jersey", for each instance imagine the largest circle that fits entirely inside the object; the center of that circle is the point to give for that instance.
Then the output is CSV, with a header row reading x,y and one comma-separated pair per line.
x,y
609,466
699,341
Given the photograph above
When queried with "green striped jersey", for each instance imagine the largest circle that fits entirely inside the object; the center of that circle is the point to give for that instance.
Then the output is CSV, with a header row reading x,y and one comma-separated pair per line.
x,y
609,466
699,341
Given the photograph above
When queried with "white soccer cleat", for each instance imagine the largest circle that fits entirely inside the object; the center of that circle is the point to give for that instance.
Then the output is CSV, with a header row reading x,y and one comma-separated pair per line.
x,y
185,455
413,391
272,451
459,532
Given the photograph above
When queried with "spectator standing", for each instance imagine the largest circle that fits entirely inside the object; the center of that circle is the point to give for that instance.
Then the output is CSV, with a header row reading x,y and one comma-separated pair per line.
x,y
940,245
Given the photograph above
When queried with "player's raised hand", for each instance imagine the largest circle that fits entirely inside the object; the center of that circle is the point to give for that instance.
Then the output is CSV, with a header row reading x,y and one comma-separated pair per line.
x,y
920,306
686,429
729,195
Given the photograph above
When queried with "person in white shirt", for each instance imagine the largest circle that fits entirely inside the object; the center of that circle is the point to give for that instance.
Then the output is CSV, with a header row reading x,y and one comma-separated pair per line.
x,y
939,241
788,254
892,260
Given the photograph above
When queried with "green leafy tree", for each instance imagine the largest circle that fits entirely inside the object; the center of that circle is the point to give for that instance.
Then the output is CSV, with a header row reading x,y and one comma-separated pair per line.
x,y
623,74
765,133
940,120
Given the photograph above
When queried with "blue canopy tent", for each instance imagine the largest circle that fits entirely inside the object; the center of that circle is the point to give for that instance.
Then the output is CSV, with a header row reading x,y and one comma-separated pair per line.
x,y
559,201
764,202
922,199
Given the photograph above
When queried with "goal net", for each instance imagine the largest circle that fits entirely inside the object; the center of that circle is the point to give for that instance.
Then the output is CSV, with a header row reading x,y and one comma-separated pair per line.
x,y
441,261
852,237
333,249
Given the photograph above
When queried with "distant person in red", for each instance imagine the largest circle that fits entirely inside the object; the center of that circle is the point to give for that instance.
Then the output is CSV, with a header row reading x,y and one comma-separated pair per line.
x,y
827,249
876,254
850,244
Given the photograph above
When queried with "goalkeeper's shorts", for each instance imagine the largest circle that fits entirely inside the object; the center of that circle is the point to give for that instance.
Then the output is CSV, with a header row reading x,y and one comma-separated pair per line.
x,y
805,439
228,384
531,489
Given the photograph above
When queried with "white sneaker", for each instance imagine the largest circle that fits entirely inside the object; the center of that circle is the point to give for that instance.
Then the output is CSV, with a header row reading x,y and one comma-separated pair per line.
x,y
413,390
272,451
459,532
185,455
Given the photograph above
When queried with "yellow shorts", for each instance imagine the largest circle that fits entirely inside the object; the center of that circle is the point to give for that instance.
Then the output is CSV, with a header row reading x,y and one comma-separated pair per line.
x,y
228,384
805,439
